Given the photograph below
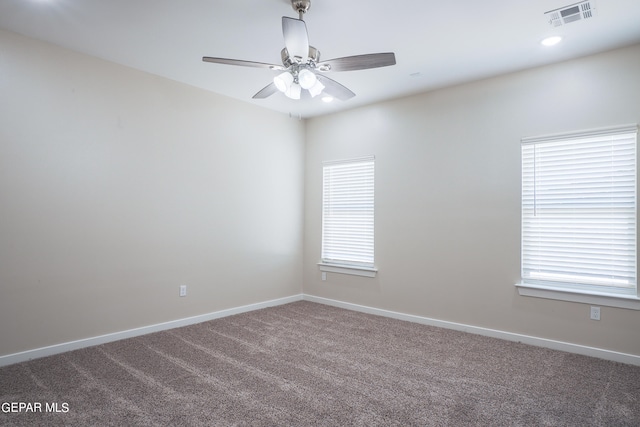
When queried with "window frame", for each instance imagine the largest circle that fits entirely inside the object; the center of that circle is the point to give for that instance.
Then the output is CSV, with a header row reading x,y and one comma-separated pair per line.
x,y
349,266
581,293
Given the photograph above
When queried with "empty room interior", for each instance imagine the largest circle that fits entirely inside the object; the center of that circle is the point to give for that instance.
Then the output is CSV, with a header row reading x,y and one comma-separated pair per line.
x,y
149,184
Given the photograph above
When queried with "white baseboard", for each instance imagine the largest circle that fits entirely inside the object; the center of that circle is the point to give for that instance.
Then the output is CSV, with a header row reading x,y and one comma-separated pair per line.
x,y
509,336
102,339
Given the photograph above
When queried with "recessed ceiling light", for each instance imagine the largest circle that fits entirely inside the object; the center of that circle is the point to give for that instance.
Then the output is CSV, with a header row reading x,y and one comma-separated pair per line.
x,y
551,41
327,98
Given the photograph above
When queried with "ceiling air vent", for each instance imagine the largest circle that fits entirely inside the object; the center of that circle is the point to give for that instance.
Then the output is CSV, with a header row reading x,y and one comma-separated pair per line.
x,y
572,13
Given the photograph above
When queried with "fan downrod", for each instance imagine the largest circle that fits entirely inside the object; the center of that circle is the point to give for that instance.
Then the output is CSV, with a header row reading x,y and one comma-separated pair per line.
x,y
301,6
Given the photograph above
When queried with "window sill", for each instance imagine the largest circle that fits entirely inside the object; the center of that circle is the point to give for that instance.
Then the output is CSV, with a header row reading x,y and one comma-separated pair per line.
x,y
354,270
608,300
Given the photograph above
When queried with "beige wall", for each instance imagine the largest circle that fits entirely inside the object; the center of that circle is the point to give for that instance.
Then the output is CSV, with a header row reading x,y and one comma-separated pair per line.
x,y
117,186
448,196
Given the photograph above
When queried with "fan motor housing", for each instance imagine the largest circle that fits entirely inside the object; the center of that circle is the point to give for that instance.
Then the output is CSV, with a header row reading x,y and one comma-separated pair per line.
x,y
314,56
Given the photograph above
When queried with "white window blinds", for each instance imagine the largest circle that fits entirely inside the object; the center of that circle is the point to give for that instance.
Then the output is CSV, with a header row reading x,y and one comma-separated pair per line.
x,y
579,210
348,212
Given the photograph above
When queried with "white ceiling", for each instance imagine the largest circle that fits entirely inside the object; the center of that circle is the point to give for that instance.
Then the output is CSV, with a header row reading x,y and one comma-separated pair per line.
x,y
437,43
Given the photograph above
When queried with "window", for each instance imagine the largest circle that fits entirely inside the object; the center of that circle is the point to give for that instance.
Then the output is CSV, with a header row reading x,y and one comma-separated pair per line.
x,y
579,212
348,216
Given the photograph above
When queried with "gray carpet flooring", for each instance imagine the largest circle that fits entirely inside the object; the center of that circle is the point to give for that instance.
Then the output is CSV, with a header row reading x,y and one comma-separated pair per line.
x,y
306,364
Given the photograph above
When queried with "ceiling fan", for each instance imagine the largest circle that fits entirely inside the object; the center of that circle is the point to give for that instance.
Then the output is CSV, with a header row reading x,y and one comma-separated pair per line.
x,y
301,66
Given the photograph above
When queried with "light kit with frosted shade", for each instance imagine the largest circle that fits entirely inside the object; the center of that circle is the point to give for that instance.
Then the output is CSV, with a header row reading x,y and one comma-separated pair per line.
x,y
316,89
551,41
306,79
283,81
293,91
291,84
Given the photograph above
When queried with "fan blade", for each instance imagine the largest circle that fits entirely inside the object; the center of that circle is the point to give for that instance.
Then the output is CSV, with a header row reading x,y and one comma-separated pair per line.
x,y
296,39
242,63
335,89
358,62
266,91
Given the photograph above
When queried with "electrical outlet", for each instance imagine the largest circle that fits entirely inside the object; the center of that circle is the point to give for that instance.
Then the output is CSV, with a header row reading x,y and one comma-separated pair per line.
x,y
183,290
595,313
324,275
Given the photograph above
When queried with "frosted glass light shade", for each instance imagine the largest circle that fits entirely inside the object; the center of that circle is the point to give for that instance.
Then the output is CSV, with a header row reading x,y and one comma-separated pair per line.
x,y
283,81
316,89
294,91
306,79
